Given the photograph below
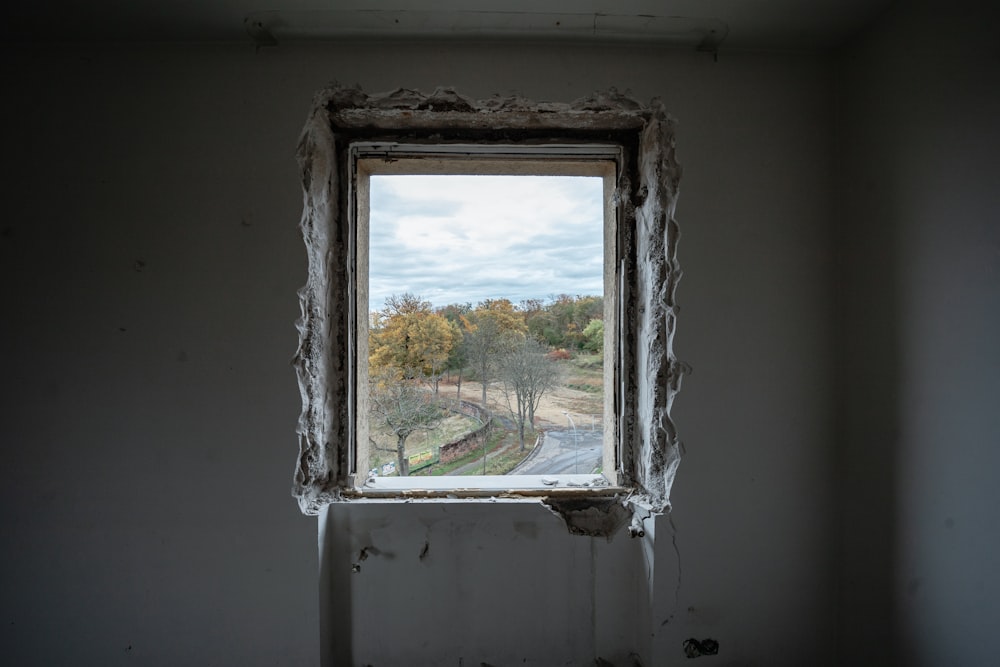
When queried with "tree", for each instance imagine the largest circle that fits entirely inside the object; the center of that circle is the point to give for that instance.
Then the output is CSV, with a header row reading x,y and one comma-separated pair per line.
x,y
506,315
455,359
457,316
399,404
492,327
593,336
482,344
406,335
459,357
526,374
561,322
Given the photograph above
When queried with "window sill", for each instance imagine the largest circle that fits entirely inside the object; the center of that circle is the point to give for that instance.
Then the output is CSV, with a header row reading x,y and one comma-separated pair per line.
x,y
588,504
486,486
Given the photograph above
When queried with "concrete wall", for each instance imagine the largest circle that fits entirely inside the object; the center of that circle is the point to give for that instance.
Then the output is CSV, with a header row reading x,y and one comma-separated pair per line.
x,y
920,223
149,261
148,264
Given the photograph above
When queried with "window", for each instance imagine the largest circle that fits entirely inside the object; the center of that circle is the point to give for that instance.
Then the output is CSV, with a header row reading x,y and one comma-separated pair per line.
x,y
460,290
352,137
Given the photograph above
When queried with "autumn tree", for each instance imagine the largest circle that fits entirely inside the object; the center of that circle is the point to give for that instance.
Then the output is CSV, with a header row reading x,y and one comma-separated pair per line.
x,y
402,407
454,312
525,373
406,335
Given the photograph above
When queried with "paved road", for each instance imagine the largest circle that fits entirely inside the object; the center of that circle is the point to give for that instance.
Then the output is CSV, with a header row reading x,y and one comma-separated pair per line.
x,y
566,452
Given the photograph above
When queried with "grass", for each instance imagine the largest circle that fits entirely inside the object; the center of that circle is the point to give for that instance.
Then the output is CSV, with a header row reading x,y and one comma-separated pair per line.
x,y
452,427
501,442
505,462
492,443
584,369
588,361
584,373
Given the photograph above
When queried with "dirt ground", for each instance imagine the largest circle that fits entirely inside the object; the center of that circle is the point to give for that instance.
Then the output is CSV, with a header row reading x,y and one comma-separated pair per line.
x,y
582,405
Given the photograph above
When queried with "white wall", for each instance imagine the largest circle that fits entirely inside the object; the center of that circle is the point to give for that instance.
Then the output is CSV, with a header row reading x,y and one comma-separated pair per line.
x,y
145,471
921,272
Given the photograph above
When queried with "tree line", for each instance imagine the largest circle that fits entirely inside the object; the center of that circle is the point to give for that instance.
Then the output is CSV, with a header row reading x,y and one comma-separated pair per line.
x,y
412,343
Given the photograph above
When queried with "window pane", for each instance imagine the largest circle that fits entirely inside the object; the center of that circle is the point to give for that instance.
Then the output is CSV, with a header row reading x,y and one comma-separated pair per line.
x,y
485,316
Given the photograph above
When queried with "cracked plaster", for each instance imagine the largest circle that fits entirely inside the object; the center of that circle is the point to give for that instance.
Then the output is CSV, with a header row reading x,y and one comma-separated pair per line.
x,y
646,193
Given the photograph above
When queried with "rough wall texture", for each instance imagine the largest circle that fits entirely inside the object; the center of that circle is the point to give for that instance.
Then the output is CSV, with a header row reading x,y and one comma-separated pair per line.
x,y
658,371
651,375
321,375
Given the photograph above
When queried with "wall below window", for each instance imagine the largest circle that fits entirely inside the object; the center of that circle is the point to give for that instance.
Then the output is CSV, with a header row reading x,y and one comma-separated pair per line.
x,y
495,582
149,258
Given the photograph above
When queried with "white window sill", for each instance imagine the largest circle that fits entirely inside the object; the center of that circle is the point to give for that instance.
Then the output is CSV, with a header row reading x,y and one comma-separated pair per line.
x,y
486,486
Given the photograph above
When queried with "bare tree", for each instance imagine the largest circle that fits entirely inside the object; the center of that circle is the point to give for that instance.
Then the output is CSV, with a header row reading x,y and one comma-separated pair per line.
x,y
526,374
404,408
493,327
483,346
457,361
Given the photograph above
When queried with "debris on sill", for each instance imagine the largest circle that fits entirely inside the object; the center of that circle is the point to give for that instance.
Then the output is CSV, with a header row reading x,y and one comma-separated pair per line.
x,y
595,482
598,480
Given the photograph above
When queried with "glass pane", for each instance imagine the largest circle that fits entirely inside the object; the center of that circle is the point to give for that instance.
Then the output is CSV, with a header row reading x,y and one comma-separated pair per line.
x,y
486,325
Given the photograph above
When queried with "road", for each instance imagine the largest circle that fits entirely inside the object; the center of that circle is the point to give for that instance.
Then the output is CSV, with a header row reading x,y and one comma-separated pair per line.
x,y
566,452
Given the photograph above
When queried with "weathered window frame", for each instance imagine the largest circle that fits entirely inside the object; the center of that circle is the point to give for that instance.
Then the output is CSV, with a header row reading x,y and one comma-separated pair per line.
x,y
647,373
603,161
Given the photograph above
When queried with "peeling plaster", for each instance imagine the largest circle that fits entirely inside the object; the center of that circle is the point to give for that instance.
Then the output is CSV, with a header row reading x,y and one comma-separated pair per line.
x,y
646,194
593,517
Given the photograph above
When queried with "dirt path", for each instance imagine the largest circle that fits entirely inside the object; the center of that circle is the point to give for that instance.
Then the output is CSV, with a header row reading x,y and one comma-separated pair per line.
x,y
582,406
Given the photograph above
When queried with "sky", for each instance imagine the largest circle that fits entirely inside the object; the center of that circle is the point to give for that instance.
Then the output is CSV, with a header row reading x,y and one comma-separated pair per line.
x,y
463,239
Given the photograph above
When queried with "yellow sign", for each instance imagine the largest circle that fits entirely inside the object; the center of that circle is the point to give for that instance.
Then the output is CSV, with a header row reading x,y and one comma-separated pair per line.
x,y
422,457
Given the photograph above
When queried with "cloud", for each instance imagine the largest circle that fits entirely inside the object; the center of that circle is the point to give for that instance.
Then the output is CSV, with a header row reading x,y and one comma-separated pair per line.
x,y
457,239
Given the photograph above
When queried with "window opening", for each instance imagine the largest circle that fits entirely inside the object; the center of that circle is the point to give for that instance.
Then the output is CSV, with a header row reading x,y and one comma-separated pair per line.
x,y
351,136
486,323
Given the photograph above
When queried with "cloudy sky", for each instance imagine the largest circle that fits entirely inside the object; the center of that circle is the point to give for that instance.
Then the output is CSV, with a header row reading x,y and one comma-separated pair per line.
x,y
458,239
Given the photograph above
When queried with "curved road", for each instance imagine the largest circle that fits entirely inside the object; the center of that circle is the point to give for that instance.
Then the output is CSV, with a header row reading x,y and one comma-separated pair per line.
x,y
566,452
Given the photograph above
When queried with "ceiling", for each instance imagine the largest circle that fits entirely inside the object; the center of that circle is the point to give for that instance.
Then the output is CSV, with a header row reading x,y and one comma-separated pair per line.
x,y
810,25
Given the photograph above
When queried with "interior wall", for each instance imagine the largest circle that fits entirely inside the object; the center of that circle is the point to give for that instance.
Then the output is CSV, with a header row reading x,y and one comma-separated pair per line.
x,y
150,258
918,113
149,262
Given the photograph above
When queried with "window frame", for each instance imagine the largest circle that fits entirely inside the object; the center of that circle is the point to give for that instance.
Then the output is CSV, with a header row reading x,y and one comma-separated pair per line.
x,y
368,159
346,125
